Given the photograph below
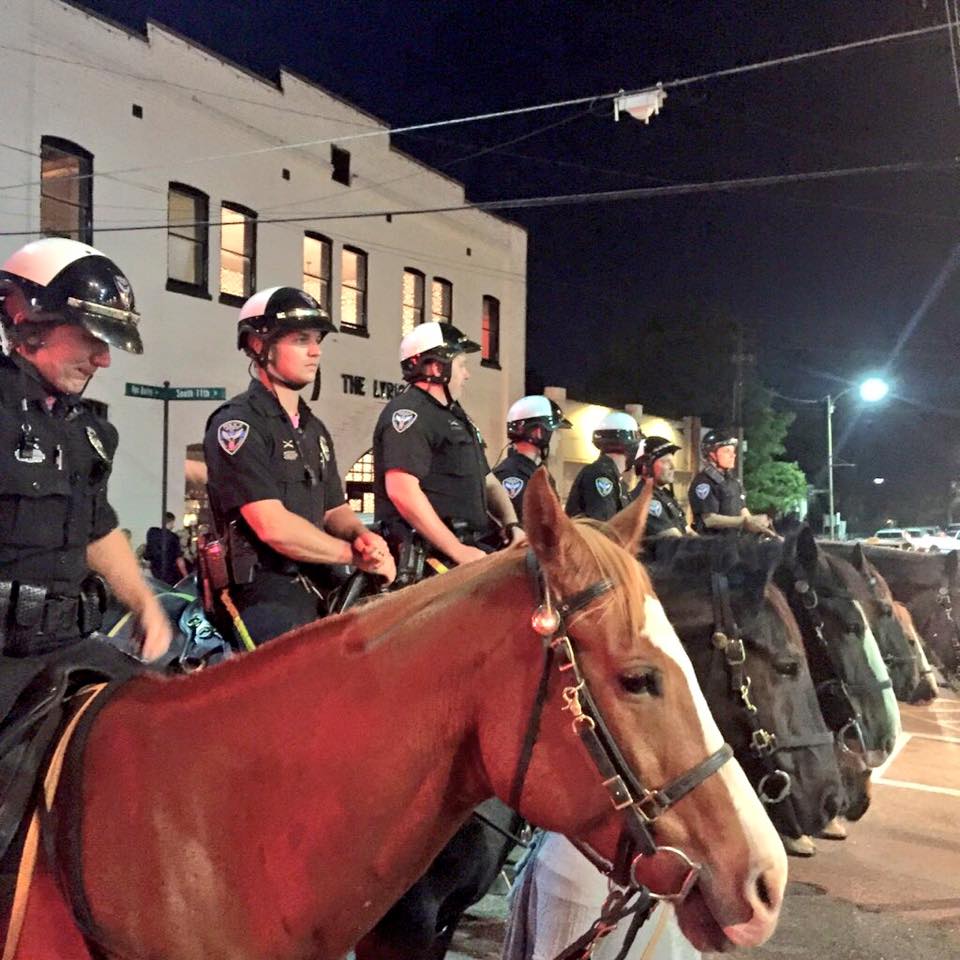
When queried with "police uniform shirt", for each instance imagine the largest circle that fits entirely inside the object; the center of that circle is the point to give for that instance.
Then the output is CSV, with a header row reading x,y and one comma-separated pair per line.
x,y
56,455
440,446
514,472
664,514
714,491
598,491
253,452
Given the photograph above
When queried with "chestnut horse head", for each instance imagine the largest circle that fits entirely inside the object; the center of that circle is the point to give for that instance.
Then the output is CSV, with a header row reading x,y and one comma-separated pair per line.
x,y
278,804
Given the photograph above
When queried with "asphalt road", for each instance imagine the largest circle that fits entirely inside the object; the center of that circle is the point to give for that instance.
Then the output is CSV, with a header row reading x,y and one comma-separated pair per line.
x,y
890,891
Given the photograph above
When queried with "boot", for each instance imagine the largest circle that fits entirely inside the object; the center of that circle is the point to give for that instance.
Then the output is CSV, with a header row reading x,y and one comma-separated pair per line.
x,y
799,846
834,830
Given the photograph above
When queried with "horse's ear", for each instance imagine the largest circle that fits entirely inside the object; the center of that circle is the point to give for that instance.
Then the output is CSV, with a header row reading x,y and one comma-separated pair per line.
x,y
807,550
858,559
549,530
629,524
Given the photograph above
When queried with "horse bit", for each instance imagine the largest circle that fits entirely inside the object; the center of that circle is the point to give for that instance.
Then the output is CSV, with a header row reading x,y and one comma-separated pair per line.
x,y
641,806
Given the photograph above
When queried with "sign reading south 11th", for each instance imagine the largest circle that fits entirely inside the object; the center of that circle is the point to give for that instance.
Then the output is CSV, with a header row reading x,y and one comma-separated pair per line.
x,y
151,392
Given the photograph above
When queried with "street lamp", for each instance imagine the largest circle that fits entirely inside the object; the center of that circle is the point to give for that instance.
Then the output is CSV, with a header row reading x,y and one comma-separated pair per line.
x,y
871,390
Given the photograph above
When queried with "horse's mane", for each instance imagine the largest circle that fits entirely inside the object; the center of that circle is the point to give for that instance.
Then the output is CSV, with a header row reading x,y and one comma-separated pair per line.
x,y
715,553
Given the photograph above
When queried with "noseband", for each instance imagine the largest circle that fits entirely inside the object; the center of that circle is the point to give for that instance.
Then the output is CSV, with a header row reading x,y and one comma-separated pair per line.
x,y
776,785
640,805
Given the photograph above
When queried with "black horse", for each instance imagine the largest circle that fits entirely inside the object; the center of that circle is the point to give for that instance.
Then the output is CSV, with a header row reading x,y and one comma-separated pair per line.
x,y
852,682
928,584
748,654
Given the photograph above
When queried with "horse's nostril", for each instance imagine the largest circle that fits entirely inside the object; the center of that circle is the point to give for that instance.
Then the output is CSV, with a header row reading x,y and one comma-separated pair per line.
x,y
888,746
763,892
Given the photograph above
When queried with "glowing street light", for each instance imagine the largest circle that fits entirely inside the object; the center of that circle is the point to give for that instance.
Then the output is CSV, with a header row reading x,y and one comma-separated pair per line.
x,y
879,480
871,390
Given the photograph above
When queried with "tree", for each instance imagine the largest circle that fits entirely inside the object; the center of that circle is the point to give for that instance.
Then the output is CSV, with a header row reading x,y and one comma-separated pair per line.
x,y
772,485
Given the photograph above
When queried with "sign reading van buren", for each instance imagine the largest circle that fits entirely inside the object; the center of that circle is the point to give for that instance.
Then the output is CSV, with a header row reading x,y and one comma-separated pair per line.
x,y
151,392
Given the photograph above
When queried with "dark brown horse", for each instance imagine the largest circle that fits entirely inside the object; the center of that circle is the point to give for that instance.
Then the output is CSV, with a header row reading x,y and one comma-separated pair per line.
x,y
277,805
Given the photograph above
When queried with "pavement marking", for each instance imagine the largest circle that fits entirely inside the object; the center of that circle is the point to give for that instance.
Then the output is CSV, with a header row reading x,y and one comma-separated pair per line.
x,y
922,787
936,736
902,740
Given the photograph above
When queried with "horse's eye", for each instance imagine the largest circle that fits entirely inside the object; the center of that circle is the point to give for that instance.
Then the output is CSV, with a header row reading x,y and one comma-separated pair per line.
x,y
787,668
641,682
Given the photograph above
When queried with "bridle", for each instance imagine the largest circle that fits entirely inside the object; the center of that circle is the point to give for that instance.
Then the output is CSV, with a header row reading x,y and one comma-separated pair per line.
x,y
776,785
886,610
641,806
841,690
944,600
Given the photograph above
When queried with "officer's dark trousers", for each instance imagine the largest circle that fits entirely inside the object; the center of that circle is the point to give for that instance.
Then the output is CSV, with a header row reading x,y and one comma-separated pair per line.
x,y
274,604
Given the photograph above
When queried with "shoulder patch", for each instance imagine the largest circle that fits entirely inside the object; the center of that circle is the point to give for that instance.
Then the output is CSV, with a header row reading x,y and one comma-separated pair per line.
x,y
513,486
324,449
604,486
231,434
402,419
656,508
702,490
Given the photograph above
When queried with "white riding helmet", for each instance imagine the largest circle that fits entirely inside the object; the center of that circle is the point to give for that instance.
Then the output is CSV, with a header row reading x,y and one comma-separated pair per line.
x,y
60,281
432,342
529,413
618,432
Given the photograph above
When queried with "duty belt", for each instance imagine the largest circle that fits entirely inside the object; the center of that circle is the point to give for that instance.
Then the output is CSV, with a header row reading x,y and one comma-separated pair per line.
x,y
33,621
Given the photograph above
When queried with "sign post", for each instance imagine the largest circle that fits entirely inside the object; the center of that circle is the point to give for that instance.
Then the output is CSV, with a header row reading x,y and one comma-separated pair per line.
x,y
166,393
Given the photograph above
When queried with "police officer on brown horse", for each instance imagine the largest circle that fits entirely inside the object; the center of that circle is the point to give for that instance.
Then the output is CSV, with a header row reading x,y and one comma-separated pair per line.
x,y
64,305
431,476
274,486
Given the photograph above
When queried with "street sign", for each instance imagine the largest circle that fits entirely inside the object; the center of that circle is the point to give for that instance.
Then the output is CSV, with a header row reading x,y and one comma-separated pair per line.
x,y
146,390
150,392
198,393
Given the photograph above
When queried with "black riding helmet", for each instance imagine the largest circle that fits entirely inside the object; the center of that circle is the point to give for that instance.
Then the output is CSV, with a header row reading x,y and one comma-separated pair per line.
x,y
652,449
60,281
277,310
713,439
432,342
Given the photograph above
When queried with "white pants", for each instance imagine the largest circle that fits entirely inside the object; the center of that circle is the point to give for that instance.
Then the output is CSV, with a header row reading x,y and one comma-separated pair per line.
x,y
558,896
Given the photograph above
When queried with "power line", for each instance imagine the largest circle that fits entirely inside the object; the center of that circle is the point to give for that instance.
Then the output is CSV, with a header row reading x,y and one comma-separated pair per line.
x,y
518,111
603,196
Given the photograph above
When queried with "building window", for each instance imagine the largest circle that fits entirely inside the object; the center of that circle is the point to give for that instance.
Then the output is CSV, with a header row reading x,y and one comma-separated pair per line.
x,y
66,190
358,484
413,284
353,291
340,161
490,333
238,253
317,252
441,300
187,239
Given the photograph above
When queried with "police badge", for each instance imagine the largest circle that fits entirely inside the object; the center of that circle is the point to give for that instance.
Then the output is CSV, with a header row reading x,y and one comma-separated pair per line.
x,y
97,444
702,490
402,419
324,449
231,435
604,486
513,485
656,508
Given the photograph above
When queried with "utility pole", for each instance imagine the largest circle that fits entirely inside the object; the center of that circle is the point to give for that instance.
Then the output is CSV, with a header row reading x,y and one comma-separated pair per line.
x,y
740,360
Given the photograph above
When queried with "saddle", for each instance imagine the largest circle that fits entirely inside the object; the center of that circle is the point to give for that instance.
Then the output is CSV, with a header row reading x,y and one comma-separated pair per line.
x,y
33,705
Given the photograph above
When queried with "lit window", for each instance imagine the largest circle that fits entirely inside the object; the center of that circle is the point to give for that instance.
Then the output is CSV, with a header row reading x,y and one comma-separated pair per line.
x,y
238,252
490,333
316,268
413,281
187,243
358,484
441,300
66,190
353,290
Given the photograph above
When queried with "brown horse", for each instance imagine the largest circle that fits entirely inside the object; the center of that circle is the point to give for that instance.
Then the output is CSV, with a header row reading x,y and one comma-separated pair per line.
x,y
929,688
277,805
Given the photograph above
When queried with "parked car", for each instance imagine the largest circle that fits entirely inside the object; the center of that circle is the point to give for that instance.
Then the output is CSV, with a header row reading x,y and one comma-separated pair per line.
x,y
915,538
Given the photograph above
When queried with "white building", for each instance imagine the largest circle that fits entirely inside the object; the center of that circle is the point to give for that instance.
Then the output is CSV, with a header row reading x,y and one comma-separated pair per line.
x,y
148,115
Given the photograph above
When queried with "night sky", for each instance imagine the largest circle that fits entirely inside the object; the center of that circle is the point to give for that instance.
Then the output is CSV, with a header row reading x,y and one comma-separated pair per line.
x,y
828,275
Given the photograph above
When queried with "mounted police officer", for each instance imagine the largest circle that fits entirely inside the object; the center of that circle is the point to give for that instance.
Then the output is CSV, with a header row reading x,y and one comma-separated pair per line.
x,y
64,305
273,482
599,491
431,477
716,497
666,518
530,425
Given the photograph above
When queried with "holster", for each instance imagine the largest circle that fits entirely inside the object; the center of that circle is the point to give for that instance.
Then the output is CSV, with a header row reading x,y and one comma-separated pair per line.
x,y
242,560
93,602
